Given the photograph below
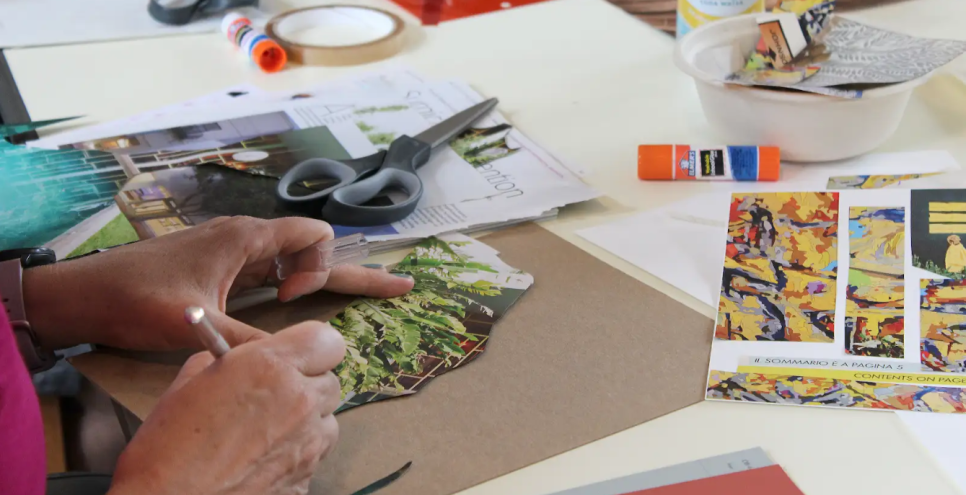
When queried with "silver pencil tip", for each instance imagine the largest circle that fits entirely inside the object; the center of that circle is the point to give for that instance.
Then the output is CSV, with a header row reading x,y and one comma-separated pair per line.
x,y
194,314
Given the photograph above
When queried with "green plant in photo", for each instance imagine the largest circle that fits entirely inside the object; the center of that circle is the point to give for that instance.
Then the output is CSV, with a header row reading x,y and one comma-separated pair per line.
x,y
481,146
364,127
382,334
371,110
931,266
381,138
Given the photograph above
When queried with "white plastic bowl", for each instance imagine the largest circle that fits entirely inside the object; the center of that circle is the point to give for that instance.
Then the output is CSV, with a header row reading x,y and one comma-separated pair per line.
x,y
807,127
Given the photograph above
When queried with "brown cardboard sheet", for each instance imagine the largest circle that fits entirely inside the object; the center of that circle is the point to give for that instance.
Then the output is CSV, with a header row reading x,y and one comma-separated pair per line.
x,y
587,352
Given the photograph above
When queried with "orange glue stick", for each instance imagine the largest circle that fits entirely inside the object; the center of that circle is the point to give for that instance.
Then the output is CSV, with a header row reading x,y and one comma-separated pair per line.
x,y
265,52
682,162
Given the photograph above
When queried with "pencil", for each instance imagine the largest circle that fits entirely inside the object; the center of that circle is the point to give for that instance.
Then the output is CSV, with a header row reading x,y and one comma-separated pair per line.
x,y
206,332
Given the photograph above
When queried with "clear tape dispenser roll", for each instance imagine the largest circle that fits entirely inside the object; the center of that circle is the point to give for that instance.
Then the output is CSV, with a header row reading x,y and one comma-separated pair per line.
x,y
334,35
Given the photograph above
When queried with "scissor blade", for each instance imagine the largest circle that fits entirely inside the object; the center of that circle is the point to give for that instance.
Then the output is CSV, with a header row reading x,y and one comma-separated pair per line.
x,y
445,130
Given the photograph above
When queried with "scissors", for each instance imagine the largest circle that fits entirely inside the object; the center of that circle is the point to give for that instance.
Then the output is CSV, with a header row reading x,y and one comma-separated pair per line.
x,y
362,179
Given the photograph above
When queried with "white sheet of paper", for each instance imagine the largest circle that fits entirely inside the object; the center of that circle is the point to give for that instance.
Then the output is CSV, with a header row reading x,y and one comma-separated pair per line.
x,y
943,435
26,23
958,68
683,243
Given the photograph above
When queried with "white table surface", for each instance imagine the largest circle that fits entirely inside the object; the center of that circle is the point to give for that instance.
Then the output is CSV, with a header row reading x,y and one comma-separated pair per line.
x,y
589,83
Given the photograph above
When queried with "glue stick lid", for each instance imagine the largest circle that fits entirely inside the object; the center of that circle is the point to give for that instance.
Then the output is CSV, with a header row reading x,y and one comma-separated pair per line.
x,y
655,162
769,163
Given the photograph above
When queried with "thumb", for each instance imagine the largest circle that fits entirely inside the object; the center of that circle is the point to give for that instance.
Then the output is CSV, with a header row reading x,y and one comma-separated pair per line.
x,y
194,365
235,332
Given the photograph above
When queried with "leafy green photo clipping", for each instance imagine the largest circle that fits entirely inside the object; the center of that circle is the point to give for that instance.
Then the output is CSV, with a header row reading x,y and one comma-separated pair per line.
x,y
387,338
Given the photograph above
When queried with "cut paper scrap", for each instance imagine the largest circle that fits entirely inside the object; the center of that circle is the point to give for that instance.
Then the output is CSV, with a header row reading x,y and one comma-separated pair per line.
x,y
396,346
849,54
938,219
787,31
829,392
771,480
843,182
781,262
875,295
749,472
942,320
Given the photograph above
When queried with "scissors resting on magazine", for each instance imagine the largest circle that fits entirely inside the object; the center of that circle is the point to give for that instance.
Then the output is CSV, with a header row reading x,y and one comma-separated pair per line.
x,y
362,179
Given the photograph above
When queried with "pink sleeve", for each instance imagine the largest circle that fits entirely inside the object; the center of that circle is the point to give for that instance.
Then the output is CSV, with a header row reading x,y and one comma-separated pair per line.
x,y
23,463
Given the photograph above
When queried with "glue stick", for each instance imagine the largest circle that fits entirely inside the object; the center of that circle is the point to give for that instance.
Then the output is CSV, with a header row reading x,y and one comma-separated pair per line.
x,y
681,162
264,51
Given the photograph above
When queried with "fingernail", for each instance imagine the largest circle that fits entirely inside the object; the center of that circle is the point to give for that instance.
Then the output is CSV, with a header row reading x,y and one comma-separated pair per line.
x,y
292,298
374,266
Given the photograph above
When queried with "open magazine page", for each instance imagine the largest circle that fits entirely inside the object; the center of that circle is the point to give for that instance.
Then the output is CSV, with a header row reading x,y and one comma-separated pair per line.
x,y
490,174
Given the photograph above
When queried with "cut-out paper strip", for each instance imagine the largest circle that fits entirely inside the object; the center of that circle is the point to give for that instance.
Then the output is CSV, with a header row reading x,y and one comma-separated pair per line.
x,y
396,346
830,392
7,130
842,182
781,262
875,295
942,320
938,228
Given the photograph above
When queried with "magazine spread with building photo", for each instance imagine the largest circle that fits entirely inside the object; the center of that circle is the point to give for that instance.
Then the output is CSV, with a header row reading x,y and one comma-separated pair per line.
x,y
492,174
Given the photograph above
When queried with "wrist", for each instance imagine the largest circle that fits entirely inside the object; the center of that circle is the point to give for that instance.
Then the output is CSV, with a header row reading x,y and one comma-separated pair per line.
x,y
49,296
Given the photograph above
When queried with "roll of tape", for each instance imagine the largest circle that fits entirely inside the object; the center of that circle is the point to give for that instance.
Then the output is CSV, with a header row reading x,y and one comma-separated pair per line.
x,y
337,34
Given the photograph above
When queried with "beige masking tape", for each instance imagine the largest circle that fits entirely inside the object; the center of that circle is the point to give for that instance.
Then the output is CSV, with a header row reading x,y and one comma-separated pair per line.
x,y
337,34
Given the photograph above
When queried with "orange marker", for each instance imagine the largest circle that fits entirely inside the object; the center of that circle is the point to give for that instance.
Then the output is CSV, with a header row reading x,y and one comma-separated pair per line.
x,y
264,51
682,162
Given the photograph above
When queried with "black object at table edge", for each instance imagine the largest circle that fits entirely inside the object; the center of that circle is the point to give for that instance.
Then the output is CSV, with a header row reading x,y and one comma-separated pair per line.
x,y
12,108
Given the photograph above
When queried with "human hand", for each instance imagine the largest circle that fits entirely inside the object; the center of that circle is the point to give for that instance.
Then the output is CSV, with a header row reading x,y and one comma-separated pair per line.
x,y
257,421
134,296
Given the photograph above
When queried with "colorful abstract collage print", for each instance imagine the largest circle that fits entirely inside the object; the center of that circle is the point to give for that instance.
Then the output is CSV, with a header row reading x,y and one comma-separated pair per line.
x,y
831,392
779,279
874,321
942,320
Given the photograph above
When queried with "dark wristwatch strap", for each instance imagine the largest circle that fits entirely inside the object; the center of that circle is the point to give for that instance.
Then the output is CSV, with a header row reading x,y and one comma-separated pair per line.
x,y
11,289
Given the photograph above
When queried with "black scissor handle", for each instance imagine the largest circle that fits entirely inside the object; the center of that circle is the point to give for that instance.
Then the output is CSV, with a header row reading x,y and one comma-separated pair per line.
x,y
346,205
314,169
345,172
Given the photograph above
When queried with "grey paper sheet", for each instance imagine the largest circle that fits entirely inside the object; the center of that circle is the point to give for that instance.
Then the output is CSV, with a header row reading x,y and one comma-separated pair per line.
x,y
862,54
679,473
